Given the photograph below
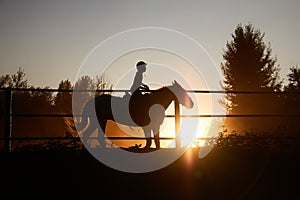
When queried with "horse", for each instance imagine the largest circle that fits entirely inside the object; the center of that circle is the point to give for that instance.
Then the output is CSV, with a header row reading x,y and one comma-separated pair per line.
x,y
146,110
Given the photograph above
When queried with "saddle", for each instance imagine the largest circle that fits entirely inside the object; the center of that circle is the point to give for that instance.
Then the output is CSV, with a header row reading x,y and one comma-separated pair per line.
x,y
141,92
139,105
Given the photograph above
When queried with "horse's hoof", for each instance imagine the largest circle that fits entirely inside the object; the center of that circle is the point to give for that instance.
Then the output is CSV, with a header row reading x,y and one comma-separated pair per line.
x,y
146,148
136,146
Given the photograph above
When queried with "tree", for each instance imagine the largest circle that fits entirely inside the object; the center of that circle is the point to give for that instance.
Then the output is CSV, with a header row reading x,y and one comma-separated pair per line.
x,y
291,100
102,84
80,98
14,81
30,102
63,99
19,98
294,80
249,66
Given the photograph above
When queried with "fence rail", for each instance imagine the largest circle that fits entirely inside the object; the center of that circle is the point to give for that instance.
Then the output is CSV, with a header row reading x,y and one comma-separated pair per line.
x,y
8,114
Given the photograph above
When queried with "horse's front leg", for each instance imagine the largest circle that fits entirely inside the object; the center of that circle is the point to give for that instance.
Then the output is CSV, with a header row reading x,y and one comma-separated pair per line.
x,y
156,136
147,132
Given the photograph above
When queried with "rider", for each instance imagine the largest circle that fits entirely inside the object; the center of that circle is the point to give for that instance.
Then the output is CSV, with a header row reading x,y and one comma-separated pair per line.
x,y
138,79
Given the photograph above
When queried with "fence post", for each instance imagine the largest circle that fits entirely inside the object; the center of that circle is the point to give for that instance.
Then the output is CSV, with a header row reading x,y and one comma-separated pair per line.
x,y
7,129
177,124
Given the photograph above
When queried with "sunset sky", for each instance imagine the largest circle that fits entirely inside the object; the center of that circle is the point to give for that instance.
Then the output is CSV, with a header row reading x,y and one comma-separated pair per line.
x,y
50,39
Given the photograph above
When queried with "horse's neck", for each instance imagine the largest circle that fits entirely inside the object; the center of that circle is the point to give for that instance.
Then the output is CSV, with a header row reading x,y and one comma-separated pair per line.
x,y
164,97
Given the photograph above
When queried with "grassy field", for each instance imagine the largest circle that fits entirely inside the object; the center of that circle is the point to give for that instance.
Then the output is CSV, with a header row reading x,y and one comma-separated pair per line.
x,y
226,173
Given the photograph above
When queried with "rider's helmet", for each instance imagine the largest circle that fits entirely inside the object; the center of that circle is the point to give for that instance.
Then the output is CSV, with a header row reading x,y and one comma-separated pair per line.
x,y
141,65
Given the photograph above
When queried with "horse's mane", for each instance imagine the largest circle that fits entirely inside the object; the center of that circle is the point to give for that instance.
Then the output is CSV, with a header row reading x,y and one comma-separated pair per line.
x,y
165,87
162,89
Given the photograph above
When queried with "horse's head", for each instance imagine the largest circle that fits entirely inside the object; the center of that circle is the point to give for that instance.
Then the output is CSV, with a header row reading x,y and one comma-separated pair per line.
x,y
181,95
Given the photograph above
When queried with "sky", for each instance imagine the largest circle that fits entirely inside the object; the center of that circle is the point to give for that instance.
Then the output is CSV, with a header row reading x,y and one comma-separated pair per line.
x,y
51,39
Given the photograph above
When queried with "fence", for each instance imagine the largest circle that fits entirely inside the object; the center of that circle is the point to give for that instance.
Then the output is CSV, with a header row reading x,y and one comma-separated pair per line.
x,y
8,114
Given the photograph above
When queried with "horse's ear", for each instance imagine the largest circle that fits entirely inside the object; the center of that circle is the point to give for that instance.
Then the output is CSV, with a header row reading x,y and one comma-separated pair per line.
x,y
175,82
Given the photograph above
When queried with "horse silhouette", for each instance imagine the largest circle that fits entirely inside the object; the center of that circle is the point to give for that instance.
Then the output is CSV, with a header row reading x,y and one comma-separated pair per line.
x,y
143,110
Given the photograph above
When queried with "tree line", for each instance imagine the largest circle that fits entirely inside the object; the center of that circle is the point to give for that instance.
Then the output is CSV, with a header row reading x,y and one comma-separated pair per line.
x,y
43,102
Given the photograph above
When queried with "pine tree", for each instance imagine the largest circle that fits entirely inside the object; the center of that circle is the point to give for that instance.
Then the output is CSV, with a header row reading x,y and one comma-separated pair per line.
x,y
291,101
294,80
249,66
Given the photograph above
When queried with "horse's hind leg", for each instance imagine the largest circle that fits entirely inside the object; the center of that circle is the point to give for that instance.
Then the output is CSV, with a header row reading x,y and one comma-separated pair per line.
x,y
101,133
156,137
88,132
147,132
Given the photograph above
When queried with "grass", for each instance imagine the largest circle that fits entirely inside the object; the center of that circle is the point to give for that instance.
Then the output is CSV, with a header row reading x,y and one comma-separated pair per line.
x,y
249,140
225,173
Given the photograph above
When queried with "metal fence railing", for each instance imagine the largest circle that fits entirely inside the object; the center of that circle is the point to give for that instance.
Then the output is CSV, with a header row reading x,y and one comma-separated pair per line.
x,y
8,115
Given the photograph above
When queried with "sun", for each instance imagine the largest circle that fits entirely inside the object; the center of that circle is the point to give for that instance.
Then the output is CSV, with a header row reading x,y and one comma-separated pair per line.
x,y
197,124
191,127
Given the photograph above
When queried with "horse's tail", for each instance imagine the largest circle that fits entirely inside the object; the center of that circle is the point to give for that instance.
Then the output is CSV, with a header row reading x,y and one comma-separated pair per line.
x,y
70,126
83,124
